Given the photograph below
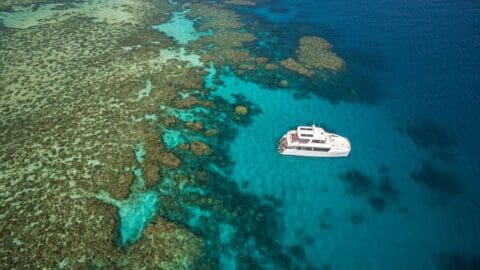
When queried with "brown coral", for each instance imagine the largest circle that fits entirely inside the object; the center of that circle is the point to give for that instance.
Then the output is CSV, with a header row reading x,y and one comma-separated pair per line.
x,y
293,65
241,110
165,246
195,126
69,120
200,149
211,132
315,52
170,160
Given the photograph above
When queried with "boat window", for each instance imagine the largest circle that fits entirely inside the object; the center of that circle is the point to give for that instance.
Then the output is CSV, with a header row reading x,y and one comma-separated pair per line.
x,y
321,149
308,148
306,128
318,141
298,148
306,135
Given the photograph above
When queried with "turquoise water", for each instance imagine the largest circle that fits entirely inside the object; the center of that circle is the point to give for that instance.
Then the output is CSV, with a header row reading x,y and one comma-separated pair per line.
x,y
378,218
180,28
138,209
134,216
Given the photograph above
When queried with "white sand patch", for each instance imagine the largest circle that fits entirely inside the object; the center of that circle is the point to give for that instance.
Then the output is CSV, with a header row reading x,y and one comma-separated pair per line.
x,y
180,55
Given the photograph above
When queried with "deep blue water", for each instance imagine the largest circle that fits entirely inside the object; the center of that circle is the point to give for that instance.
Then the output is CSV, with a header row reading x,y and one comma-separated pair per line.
x,y
408,195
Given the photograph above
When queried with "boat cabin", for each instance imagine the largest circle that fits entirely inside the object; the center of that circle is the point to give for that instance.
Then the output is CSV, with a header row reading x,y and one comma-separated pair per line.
x,y
308,138
312,134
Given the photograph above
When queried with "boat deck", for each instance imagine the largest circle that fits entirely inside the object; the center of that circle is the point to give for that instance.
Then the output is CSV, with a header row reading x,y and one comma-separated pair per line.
x,y
294,138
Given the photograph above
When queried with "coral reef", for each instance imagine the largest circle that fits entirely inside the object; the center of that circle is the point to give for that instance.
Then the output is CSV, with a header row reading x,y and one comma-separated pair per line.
x,y
8,4
240,2
34,13
165,246
314,53
68,119
228,36
293,65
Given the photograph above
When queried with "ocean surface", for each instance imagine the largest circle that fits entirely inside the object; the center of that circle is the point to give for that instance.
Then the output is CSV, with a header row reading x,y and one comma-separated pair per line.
x,y
419,62
407,196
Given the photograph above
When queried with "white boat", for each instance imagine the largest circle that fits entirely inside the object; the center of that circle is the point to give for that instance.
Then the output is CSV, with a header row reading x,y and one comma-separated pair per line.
x,y
312,141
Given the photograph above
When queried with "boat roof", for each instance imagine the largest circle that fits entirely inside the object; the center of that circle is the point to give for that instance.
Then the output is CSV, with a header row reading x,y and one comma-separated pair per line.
x,y
311,132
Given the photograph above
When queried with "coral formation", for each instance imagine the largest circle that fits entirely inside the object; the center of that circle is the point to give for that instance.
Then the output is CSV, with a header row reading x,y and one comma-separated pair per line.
x,y
195,126
293,65
314,53
228,36
211,132
200,149
170,160
241,110
165,246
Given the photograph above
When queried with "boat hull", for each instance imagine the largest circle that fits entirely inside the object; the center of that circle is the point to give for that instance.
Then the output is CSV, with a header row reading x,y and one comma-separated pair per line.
x,y
304,153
